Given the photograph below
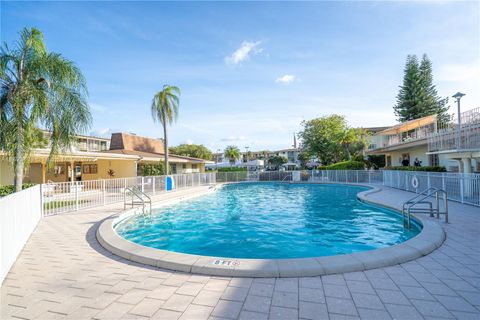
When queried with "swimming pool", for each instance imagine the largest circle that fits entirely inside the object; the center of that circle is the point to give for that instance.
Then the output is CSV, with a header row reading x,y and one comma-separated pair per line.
x,y
269,221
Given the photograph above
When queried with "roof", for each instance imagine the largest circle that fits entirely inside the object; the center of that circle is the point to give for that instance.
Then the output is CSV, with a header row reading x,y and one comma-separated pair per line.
x,y
376,129
410,125
40,155
81,136
130,141
288,149
152,156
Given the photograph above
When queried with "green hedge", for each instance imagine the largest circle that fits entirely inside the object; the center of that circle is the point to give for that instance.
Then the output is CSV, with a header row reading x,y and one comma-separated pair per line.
x,y
345,165
6,190
232,169
413,168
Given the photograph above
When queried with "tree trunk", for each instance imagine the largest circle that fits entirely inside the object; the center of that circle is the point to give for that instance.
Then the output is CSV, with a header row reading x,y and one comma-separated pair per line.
x,y
19,160
165,145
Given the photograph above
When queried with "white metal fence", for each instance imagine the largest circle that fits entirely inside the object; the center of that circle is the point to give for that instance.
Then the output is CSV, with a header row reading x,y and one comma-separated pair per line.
x,y
19,214
464,187
67,196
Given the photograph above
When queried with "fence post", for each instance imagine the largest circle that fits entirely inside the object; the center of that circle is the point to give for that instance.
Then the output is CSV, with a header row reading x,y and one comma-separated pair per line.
x,y
443,181
76,195
143,181
462,181
41,201
357,176
428,180
369,176
153,185
104,192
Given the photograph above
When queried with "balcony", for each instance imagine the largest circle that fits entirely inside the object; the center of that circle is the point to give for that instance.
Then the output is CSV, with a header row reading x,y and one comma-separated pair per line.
x,y
453,137
467,138
398,136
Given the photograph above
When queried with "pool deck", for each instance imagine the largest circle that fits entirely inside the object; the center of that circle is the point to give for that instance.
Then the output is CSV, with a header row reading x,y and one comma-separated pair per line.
x,y
63,272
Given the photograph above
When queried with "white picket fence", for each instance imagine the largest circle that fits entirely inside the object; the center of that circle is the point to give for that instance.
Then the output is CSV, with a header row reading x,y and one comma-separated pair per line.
x,y
19,215
461,187
67,196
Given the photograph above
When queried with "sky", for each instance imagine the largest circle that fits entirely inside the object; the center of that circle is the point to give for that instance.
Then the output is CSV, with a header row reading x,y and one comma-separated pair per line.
x,y
251,72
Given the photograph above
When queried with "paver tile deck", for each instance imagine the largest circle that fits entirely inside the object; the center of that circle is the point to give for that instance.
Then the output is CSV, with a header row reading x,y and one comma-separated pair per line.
x,y
64,273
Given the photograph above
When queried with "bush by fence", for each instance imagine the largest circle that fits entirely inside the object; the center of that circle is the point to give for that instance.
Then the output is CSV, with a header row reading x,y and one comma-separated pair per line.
x,y
413,168
345,165
6,190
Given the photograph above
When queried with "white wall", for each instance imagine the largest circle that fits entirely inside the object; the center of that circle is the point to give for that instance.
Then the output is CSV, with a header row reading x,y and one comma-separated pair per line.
x,y
19,215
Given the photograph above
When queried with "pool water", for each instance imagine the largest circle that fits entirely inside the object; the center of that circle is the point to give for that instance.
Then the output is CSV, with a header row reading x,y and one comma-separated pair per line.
x,y
269,220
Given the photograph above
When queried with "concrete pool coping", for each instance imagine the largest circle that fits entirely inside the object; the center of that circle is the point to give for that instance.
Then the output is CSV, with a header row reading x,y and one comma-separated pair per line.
x,y
430,238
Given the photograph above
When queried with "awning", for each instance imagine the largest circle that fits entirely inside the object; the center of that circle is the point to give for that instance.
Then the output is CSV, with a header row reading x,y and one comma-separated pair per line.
x,y
410,125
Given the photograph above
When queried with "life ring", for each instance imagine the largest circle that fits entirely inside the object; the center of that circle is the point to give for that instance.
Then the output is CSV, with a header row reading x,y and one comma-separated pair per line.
x,y
415,182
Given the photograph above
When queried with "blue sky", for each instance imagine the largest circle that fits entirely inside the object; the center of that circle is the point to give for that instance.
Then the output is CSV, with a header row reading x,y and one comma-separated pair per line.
x,y
250,72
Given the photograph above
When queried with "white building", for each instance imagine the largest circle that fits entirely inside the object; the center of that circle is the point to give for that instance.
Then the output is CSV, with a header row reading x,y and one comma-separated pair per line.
x,y
456,148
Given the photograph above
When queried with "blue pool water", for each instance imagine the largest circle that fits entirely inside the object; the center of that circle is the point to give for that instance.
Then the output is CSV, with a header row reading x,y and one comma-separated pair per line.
x,y
269,220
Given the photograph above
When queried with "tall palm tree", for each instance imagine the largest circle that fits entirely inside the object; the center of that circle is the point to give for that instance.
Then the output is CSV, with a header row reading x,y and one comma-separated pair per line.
x,y
38,88
165,109
232,153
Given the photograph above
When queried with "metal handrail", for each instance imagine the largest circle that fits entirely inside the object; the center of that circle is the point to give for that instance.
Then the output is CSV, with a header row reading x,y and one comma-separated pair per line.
x,y
288,175
139,194
408,206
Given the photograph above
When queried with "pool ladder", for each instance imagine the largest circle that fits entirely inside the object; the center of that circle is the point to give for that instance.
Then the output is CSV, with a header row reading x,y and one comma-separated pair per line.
x,y
411,206
140,196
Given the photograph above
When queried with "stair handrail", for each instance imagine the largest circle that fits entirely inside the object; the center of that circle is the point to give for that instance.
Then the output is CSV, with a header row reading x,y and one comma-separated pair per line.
x,y
139,194
419,199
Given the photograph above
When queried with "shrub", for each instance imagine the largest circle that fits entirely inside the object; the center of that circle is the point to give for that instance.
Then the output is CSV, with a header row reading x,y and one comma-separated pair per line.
x,y
345,165
157,169
413,168
6,190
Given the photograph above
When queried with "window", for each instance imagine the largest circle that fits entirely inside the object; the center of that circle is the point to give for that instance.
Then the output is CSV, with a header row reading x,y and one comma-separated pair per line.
x,y
82,144
90,168
173,167
194,166
57,169
433,160
184,166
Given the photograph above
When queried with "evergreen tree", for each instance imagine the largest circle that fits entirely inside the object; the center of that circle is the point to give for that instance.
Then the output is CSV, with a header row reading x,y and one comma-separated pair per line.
x,y
431,102
418,96
409,93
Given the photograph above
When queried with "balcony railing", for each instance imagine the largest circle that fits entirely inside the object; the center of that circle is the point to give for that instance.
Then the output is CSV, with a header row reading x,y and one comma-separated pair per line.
x,y
466,138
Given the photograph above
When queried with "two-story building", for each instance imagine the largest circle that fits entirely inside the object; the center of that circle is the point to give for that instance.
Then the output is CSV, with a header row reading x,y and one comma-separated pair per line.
x,y
459,142
93,158
405,141
457,148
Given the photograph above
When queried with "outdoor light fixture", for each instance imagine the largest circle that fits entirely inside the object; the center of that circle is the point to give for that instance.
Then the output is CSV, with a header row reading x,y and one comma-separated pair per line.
x,y
458,96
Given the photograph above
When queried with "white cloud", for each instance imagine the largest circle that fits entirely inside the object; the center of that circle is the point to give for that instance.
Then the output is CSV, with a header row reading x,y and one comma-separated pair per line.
x,y
233,139
286,79
243,53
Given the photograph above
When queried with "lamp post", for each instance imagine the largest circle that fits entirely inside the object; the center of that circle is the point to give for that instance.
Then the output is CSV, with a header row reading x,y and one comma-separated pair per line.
x,y
458,96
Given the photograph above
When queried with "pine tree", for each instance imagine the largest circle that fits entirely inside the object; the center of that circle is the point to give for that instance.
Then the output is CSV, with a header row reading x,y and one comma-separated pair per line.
x,y
409,93
431,103
418,96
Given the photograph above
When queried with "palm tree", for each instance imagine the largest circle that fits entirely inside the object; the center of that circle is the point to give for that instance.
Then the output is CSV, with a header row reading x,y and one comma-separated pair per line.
x,y
165,109
232,153
38,88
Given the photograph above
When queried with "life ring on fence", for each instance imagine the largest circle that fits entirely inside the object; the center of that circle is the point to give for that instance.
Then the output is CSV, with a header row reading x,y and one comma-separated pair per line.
x,y
415,182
